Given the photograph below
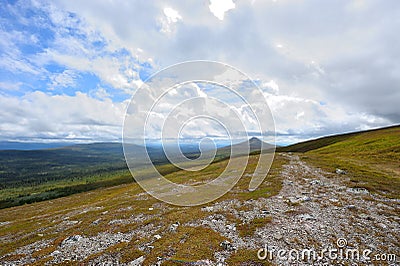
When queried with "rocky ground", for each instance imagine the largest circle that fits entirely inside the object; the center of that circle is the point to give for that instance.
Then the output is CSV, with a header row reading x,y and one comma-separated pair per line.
x,y
314,210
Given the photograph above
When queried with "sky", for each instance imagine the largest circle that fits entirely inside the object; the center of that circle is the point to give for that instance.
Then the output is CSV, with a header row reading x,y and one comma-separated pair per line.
x,y
68,69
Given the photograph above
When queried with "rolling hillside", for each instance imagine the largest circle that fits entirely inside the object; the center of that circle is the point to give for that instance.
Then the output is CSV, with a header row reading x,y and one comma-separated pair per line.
x,y
302,201
329,140
370,158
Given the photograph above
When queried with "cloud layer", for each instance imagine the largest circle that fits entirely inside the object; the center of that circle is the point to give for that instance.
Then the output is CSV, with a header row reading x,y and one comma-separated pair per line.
x,y
324,67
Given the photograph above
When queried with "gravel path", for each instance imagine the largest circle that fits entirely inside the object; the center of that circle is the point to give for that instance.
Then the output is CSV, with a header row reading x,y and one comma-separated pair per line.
x,y
315,210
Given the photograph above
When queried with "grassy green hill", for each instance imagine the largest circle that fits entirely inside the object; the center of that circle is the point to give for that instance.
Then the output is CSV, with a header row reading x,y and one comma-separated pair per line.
x,y
371,158
315,144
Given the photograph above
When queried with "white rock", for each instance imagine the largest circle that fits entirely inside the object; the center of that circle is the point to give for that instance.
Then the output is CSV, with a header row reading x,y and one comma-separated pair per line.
x,y
137,262
382,225
340,171
277,236
55,253
356,190
306,217
208,209
306,198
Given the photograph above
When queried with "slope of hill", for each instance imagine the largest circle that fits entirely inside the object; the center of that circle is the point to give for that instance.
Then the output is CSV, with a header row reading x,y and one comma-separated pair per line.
x,y
370,158
328,140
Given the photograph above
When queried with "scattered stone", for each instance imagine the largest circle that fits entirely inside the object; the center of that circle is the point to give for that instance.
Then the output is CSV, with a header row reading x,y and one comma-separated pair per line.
x,y
265,212
96,222
293,200
306,198
306,217
382,225
173,227
340,171
231,227
351,207
288,228
117,221
208,208
226,245
67,222
55,253
277,236
357,190
381,206
364,216
316,182
137,262
71,240
4,223
204,262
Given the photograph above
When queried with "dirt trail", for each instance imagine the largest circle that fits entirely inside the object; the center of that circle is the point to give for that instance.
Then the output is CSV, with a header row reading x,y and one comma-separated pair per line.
x,y
320,209
314,210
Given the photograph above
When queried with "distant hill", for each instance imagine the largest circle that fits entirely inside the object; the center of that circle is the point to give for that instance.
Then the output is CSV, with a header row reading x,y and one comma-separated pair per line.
x,y
26,146
255,145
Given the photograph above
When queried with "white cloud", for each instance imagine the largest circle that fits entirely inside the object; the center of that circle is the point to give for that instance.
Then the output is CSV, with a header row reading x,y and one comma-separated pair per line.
x,y
99,93
171,14
63,79
337,63
219,7
168,21
39,115
271,86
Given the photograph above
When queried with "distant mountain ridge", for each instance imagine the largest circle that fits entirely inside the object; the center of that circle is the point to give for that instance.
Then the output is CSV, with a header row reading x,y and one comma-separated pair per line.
x,y
27,146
